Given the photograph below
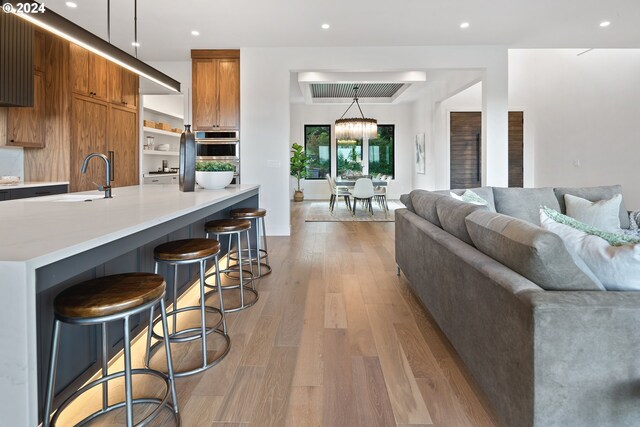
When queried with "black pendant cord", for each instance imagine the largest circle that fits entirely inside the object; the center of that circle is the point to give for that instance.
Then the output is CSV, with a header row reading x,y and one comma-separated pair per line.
x,y
109,21
135,25
355,101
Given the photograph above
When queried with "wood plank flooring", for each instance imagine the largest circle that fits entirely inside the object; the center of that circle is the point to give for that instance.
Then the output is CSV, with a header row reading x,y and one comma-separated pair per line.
x,y
336,339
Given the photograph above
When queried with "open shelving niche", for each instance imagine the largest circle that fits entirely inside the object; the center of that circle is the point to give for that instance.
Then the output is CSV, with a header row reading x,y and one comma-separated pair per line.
x,y
160,108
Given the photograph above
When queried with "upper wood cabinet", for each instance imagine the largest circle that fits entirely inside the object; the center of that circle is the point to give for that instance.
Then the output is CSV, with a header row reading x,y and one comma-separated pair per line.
x,y
38,51
123,86
88,73
89,127
216,89
123,141
26,125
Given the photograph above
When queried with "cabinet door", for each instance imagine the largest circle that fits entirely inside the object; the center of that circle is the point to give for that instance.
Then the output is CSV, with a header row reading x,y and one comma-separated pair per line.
x,y
79,64
98,83
229,93
38,51
130,89
115,83
123,141
88,135
205,94
26,126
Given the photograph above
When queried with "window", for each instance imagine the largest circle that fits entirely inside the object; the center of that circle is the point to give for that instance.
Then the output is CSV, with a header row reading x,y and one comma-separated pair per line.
x,y
349,157
381,159
317,146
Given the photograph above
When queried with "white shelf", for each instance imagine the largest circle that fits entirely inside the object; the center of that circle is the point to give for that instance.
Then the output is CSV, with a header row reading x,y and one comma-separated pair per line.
x,y
161,153
163,113
161,132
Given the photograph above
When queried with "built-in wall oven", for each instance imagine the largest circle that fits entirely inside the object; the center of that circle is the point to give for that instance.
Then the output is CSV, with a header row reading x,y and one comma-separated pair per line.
x,y
219,145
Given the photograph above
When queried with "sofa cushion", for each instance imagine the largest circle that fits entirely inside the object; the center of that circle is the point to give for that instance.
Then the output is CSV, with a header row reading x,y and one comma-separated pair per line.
x,y
603,214
529,250
405,199
524,203
485,193
593,194
452,212
424,205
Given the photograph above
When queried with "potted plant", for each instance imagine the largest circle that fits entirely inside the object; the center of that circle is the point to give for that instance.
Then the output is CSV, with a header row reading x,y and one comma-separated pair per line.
x,y
299,162
214,175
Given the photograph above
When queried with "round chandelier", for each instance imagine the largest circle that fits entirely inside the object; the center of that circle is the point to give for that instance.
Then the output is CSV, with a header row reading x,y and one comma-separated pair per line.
x,y
356,127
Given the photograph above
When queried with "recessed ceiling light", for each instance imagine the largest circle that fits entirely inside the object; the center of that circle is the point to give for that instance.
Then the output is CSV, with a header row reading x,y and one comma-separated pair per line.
x,y
604,24
136,44
195,33
464,25
71,4
325,26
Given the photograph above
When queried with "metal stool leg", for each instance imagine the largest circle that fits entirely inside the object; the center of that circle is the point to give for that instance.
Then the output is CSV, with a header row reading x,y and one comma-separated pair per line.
x,y
175,296
253,282
52,373
127,374
258,246
203,314
105,366
219,283
167,348
228,249
264,235
240,267
150,330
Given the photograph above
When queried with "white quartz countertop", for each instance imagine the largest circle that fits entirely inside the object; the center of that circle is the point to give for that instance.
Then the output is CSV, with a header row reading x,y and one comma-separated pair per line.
x,y
46,229
29,184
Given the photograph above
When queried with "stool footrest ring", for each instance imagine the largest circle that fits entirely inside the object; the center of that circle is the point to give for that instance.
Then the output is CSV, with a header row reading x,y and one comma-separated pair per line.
x,y
177,336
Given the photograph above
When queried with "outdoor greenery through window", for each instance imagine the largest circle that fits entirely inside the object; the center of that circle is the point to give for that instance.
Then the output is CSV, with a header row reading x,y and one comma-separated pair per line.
x,y
381,160
317,146
380,151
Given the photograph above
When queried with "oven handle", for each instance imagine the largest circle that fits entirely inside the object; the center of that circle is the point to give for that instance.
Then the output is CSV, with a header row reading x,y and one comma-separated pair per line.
x,y
218,141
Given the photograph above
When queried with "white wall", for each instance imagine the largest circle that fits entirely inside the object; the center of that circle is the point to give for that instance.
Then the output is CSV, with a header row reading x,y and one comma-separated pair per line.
x,y
265,115
181,71
390,114
581,116
12,161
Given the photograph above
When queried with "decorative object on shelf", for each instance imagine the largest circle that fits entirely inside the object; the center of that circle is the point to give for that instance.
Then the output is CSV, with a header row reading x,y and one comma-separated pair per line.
x,y
356,127
187,173
149,145
420,155
214,175
298,164
163,147
9,179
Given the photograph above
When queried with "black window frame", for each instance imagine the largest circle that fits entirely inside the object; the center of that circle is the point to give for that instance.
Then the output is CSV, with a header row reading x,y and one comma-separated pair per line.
x,y
393,150
305,147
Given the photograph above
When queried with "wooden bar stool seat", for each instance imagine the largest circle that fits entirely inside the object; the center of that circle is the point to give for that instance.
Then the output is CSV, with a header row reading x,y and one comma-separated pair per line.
x,y
98,302
184,252
233,273
261,252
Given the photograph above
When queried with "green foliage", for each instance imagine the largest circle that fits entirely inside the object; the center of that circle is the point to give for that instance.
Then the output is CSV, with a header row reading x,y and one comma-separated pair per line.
x,y
317,136
214,167
298,162
350,164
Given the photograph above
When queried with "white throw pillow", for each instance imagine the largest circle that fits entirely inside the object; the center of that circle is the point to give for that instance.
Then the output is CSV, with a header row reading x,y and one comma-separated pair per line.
x,y
470,197
617,267
603,214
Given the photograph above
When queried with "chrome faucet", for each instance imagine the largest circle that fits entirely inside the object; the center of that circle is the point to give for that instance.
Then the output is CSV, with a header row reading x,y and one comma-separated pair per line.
x,y
108,162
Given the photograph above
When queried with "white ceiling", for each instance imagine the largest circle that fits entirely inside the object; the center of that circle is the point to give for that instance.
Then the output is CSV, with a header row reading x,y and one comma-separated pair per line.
x,y
164,26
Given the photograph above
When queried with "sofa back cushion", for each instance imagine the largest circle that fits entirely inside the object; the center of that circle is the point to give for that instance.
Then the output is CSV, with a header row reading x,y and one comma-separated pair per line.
x,y
485,193
524,203
424,205
529,250
452,213
593,194
405,199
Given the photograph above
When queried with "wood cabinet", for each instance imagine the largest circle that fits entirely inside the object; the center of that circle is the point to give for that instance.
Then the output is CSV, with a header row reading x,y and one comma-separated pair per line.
x,y
216,89
89,125
123,87
88,73
123,141
26,125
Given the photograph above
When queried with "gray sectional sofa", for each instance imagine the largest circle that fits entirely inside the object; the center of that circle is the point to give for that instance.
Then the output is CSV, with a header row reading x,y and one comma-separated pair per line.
x,y
547,346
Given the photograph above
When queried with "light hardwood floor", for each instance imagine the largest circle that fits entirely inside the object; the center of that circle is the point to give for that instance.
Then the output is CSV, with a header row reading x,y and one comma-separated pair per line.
x,y
336,339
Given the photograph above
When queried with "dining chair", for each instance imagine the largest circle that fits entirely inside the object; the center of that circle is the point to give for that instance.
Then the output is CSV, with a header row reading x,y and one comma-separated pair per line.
x,y
337,192
363,190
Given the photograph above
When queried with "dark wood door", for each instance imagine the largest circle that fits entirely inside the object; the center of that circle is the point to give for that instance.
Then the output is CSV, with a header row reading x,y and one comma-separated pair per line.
x,y
88,135
516,156
466,150
123,141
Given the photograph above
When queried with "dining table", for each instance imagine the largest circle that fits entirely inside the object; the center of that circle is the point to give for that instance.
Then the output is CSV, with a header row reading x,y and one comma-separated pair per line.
x,y
352,182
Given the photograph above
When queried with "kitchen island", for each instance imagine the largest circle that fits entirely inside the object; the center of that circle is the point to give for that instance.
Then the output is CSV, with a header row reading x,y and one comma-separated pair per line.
x,y
50,243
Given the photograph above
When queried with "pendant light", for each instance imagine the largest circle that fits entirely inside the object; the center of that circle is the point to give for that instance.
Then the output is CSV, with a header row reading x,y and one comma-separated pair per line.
x,y
356,127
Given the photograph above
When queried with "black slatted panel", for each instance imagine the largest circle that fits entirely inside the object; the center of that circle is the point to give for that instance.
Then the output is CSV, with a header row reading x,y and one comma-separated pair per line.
x,y
16,61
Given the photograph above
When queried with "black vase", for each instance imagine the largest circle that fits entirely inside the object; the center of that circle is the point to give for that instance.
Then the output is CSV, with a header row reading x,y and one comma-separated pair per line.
x,y
187,175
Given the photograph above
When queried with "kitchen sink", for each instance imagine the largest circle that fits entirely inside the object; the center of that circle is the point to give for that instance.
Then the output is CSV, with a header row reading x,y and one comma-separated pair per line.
x,y
68,198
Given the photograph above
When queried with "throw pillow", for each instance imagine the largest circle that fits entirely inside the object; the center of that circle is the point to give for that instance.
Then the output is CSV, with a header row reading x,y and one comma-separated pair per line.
x,y
603,214
470,196
617,267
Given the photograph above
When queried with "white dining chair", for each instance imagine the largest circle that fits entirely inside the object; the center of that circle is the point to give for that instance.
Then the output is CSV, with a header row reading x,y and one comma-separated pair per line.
x,y
381,195
337,192
363,191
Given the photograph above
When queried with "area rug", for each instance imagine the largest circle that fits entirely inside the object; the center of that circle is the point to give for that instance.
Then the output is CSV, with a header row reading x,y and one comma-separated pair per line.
x,y
319,212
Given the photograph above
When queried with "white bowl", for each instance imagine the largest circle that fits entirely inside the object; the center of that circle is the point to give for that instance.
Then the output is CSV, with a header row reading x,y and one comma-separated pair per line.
x,y
214,180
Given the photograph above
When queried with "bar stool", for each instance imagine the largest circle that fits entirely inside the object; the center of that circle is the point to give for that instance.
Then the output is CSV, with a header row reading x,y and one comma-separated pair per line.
x,y
97,302
257,215
181,252
231,227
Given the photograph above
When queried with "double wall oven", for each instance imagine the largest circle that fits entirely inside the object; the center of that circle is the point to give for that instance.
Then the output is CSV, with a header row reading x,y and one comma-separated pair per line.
x,y
221,146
